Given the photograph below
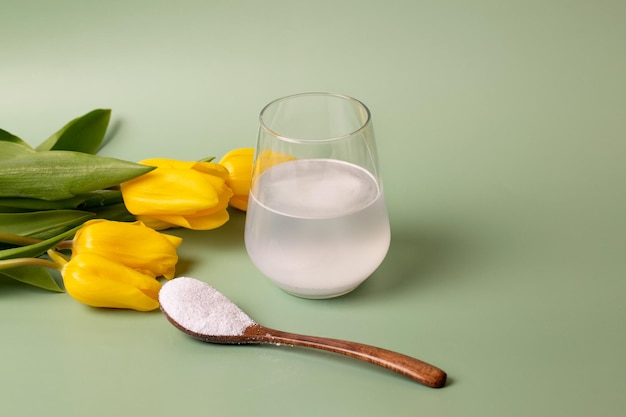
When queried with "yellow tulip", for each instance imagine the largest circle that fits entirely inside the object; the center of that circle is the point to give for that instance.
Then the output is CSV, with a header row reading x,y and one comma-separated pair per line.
x,y
101,282
238,162
193,195
115,264
132,244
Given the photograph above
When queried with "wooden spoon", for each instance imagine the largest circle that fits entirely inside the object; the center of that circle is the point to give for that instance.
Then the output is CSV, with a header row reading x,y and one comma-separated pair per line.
x,y
204,313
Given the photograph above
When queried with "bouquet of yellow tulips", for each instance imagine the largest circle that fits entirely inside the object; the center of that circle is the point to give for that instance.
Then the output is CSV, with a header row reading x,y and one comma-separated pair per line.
x,y
61,197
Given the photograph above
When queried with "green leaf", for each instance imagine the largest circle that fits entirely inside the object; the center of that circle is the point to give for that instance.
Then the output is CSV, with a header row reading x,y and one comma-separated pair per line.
x,y
9,137
34,250
10,149
56,175
83,134
116,212
99,198
42,224
33,275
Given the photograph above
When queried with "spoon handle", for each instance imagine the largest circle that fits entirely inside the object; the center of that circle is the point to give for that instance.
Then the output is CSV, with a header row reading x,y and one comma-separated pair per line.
x,y
408,366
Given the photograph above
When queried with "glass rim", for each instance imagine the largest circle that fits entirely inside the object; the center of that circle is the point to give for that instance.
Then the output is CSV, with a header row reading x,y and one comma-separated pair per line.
x,y
358,103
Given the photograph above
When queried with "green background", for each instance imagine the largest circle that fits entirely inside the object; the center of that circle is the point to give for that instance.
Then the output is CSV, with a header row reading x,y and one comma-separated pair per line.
x,y
501,130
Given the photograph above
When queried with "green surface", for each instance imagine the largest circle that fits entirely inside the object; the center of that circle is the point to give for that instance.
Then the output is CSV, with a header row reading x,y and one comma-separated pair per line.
x,y
501,130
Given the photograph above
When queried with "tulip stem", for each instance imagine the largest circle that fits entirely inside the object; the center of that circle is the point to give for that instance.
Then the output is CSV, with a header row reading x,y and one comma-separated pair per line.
x,y
66,244
17,239
11,263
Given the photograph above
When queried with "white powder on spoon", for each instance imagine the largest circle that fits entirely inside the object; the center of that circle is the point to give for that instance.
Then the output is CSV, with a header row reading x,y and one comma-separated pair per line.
x,y
198,307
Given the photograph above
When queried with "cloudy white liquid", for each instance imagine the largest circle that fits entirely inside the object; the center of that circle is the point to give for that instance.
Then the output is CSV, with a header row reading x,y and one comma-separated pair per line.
x,y
317,227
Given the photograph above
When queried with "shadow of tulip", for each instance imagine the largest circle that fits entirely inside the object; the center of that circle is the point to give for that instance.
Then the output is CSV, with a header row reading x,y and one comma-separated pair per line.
x,y
184,265
198,243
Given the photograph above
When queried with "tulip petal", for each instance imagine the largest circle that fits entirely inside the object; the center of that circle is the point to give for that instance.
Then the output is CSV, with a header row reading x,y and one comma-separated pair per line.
x,y
198,222
213,221
155,224
238,162
168,190
100,282
193,195
239,202
165,221
212,169
174,240
167,163
132,244
217,183
208,219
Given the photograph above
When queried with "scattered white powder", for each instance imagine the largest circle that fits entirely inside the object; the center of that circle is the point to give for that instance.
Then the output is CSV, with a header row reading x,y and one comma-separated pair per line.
x,y
198,307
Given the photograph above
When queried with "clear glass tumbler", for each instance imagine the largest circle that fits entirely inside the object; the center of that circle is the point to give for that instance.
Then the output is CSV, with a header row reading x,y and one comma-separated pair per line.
x,y
317,222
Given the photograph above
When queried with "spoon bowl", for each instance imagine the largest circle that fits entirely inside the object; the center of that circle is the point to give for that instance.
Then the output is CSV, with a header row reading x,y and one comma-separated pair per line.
x,y
196,308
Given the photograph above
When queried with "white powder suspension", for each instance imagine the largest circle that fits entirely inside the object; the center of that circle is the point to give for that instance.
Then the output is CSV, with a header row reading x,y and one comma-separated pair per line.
x,y
200,308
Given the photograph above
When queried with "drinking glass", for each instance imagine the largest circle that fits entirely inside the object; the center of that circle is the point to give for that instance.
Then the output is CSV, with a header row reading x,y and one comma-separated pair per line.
x,y
317,222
